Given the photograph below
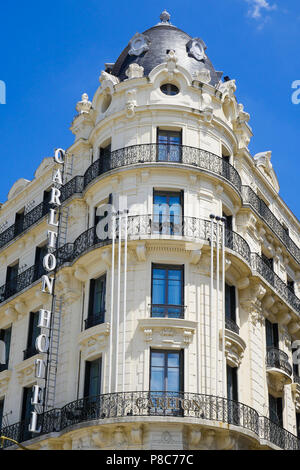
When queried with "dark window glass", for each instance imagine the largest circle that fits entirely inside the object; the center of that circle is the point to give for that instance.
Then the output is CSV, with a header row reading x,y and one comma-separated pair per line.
x,y
19,219
27,408
272,338
96,301
298,424
40,253
104,159
291,285
232,384
169,89
268,261
275,410
230,302
167,212
11,279
1,412
169,146
5,336
167,291
33,333
92,383
166,373
47,196
228,221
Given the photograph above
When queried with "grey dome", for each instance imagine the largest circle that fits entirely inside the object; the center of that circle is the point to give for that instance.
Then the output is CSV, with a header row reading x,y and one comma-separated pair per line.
x,y
162,38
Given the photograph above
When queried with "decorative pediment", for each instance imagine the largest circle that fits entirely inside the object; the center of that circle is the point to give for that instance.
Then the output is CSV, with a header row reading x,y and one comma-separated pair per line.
x,y
17,187
168,332
26,370
93,341
263,162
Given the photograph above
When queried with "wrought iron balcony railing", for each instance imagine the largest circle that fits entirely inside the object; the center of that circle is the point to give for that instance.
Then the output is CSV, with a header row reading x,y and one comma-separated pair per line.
x,y
93,320
19,227
139,226
161,404
263,211
167,311
232,326
278,359
163,153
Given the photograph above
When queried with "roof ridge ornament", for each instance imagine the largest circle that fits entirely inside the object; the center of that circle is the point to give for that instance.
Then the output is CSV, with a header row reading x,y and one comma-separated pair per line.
x,y
165,17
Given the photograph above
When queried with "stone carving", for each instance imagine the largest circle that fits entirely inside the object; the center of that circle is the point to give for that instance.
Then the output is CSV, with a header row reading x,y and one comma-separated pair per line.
x,y
206,108
196,48
195,437
130,103
202,76
172,60
228,89
106,78
138,44
134,71
119,438
84,106
165,17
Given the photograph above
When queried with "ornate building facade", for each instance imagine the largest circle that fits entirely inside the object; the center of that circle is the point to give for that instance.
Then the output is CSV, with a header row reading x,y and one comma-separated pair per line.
x,y
175,325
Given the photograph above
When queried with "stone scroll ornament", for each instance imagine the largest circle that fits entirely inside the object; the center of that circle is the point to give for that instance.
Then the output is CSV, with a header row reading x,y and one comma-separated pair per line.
x,y
138,44
196,48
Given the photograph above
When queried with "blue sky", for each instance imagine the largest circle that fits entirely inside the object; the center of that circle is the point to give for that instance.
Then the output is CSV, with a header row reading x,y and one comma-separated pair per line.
x,y
52,52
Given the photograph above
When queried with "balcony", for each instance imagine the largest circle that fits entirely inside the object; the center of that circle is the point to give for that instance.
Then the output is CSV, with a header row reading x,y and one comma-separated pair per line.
x,y
167,311
93,320
231,326
206,410
279,368
143,227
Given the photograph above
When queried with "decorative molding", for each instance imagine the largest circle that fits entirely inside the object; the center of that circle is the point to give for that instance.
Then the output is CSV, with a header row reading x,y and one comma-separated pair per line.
x,y
196,49
93,341
138,44
134,71
168,332
4,381
25,371
234,348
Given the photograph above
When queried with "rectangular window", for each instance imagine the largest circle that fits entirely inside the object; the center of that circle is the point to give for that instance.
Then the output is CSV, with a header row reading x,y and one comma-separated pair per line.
x,y
166,381
5,337
232,395
167,212
1,412
272,338
275,410
230,302
92,382
27,408
33,333
291,285
98,218
11,279
167,291
96,311
40,253
104,159
169,146
19,220
269,268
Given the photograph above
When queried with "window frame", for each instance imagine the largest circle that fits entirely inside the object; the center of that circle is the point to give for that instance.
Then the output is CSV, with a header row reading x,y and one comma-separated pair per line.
x,y
168,267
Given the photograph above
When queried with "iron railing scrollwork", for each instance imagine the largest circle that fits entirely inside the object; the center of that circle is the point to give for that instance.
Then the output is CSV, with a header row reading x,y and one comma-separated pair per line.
x,y
278,359
231,325
156,403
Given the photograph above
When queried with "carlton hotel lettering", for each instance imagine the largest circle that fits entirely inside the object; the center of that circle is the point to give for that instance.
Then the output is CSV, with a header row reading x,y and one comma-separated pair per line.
x,y
45,316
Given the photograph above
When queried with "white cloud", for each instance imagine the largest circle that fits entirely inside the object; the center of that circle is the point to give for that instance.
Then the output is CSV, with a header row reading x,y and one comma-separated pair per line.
x,y
258,6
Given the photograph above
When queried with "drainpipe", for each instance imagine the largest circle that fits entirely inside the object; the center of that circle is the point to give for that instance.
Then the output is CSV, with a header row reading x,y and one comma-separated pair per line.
x,y
223,309
211,303
125,298
111,300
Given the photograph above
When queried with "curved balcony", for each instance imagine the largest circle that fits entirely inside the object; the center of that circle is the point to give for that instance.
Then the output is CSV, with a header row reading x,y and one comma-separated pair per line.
x,y
146,226
209,410
231,326
166,154
277,363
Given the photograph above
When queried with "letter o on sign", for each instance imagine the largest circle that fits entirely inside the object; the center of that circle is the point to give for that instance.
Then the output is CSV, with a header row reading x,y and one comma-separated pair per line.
x,y
49,262
42,343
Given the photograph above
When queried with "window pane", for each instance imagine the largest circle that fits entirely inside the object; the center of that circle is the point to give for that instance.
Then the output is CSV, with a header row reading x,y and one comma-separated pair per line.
x,y
157,379
158,359
173,380
173,360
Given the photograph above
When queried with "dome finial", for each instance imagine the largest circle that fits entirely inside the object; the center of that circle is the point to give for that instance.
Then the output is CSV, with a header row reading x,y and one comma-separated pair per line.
x,y
165,17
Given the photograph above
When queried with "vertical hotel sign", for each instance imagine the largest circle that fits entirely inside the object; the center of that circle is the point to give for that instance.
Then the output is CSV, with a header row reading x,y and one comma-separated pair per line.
x,y
42,343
